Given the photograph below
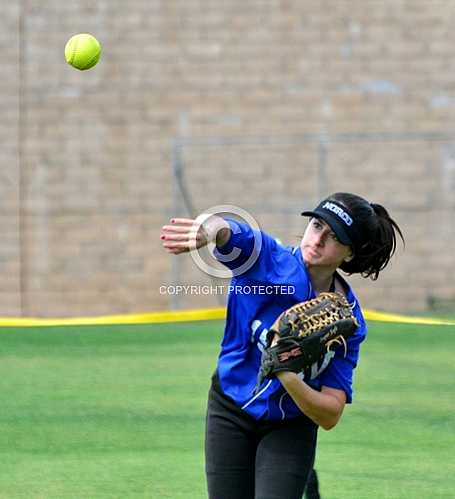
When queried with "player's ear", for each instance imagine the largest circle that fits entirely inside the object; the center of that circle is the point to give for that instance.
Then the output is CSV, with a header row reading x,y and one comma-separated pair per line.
x,y
349,257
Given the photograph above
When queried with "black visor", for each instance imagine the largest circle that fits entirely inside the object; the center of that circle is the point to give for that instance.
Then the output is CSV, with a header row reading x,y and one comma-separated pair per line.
x,y
339,219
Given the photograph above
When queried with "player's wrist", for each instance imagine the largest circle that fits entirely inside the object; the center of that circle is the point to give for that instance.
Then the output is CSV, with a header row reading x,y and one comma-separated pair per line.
x,y
218,230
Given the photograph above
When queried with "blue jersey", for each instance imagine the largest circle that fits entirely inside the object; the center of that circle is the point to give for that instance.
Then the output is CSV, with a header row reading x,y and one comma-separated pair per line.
x,y
277,280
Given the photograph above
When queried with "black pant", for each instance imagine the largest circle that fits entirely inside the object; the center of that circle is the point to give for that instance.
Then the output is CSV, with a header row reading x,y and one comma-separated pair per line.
x,y
249,459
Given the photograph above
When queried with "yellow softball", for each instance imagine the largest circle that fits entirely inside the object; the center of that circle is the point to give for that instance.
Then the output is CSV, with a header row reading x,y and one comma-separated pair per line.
x,y
82,51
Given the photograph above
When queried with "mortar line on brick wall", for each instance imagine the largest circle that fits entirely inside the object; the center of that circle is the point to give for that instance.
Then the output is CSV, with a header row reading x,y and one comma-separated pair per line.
x,y
316,138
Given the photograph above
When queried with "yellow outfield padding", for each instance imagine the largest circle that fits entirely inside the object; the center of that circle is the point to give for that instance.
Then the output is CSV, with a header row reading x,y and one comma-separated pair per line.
x,y
371,315
190,315
144,318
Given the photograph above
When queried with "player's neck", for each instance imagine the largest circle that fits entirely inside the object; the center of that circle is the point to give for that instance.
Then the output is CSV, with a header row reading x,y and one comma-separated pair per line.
x,y
322,281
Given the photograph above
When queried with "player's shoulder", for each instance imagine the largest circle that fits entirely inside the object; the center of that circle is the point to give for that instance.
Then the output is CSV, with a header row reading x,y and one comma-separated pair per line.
x,y
276,246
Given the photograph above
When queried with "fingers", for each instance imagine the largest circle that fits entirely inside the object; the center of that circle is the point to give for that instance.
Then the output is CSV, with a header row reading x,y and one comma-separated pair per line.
x,y
176,243
171,236
176,248
177,233
181,225
171,229
182,221
181,236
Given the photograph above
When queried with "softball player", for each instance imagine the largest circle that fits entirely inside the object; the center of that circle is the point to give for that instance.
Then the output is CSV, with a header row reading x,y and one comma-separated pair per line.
x,y
261,445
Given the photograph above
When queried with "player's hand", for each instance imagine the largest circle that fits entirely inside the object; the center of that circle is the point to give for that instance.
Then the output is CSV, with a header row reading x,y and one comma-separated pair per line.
x,y
186,234
183,235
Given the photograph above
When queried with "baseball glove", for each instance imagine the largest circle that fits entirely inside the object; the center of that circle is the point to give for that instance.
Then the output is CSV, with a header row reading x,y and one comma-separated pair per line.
x,y
306,332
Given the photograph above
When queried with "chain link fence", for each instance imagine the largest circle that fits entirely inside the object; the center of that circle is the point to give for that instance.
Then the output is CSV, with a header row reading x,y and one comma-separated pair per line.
x,y
275,178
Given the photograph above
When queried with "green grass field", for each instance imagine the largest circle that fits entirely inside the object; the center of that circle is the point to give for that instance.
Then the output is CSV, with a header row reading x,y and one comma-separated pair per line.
x,y
118,412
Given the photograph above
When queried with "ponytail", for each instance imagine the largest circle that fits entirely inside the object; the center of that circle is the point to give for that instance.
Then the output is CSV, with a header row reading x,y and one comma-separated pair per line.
x,y
380,236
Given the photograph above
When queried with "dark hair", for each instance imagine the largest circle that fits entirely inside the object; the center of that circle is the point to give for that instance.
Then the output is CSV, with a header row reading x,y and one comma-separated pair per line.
x,y
378,235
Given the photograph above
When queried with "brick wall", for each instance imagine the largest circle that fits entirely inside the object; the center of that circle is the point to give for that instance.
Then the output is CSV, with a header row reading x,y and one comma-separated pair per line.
x,y
10,177
87,177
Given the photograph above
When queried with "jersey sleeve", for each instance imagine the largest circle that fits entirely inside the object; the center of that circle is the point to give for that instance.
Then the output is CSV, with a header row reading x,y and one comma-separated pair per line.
x,y
254,254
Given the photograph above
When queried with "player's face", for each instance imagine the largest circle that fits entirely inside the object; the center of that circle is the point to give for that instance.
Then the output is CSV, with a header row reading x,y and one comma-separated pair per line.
x,y
321,247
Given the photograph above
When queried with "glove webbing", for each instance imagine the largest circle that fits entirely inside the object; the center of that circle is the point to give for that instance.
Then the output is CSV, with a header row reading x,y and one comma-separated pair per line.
x,y
304,324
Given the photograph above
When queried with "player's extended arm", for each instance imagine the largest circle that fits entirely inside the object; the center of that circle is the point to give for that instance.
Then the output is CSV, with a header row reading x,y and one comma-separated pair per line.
x,y
324,407
186,234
